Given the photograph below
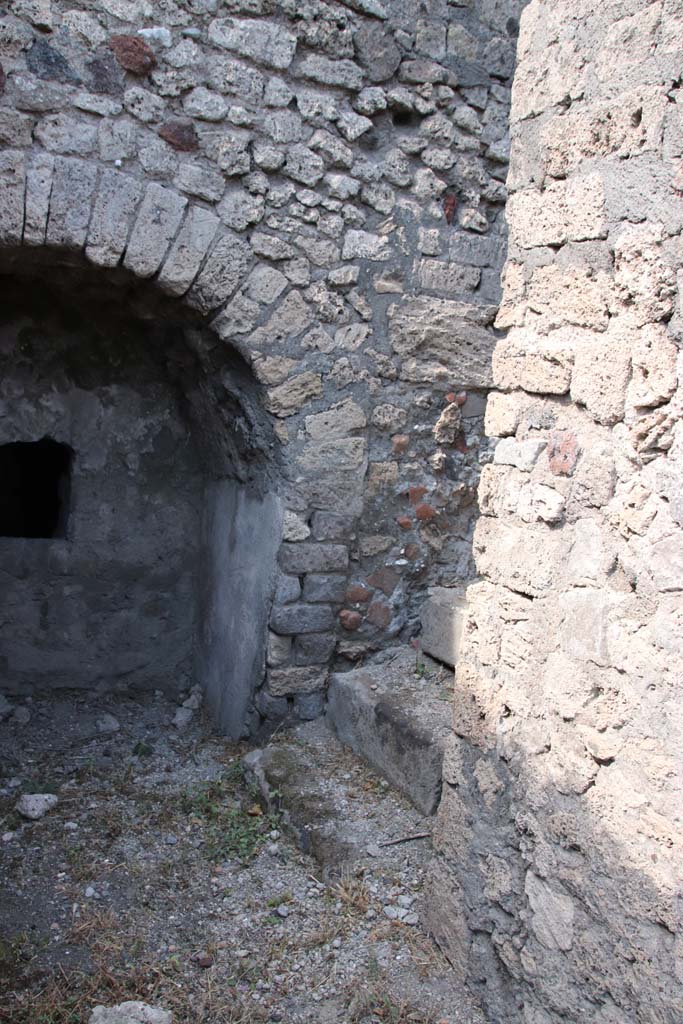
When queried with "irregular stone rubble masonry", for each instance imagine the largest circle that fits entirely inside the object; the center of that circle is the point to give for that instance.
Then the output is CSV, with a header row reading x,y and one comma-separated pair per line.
x,y
560,874
324,183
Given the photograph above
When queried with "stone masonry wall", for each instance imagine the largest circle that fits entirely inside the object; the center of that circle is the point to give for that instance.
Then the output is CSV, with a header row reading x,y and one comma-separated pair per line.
x,y
560,830
324,184
112,602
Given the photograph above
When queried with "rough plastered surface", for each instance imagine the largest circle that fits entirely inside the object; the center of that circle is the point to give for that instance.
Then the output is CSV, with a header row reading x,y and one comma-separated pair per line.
x,y
322,185
559,883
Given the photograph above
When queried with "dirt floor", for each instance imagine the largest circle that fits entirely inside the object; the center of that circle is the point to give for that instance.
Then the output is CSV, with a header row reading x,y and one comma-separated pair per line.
x,y
159,877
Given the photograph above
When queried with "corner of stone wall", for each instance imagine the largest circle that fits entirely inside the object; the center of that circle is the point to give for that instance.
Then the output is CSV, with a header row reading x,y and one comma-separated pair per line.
x,y
559,827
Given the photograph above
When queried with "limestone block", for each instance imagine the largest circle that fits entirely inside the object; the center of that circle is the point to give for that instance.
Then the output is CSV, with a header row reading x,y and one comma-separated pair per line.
x,y
199,181
157,221
664,560
572,295
452,335
290,396
284,681
94,104
427,185
278,649
512,308
540,503
377,52
669,478
303,165
270,246
112,215
12,186
629,128
205,104
338,421
587,614
503,413
347,454
224,268
73,186
239,208
267,157
35,805
645,280
38,188
525,559
442,617
235,78
230,152
117,141
130,1013
343,73
262,41
653,359
522,454
591,556
294,528
602,366
188,250
499,491
60,133
365,245
572,210
144,105
552,913
341,186
38,12
265,284
447,278
536,363
332,149
85,28
290,318
352,126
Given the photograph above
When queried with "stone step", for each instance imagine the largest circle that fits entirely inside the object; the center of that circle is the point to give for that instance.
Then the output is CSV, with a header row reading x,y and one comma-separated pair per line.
x,y
334,806
442,616
397,719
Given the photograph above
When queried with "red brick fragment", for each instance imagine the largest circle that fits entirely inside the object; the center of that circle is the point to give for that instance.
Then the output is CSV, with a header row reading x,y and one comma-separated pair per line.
x,y
405,522
415,493
563,452
425,513
450,205
411,551
133,54
349,619
379,614
181,135
400,443
385,580
357,594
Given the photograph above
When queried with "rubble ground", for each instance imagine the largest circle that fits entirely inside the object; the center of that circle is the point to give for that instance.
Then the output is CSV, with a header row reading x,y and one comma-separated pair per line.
x,y
158,876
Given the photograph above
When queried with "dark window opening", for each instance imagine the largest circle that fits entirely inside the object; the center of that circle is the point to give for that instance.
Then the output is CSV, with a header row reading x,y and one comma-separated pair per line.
x,y
34,488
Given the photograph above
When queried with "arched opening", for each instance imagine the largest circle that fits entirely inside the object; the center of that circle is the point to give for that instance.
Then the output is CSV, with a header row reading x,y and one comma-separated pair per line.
x,y
123,412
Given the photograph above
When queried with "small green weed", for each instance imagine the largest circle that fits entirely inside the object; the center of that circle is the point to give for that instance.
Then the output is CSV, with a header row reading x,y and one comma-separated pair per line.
x,y
233,823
